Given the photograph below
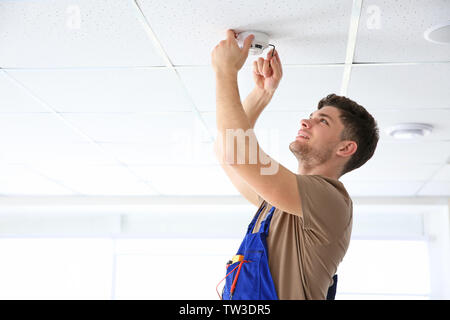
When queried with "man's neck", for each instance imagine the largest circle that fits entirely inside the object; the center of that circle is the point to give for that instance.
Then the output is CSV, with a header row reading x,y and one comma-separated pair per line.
x,y
318,171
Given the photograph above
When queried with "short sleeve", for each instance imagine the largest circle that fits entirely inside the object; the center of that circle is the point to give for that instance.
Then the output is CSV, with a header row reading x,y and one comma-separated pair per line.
x,y
325,210
260,200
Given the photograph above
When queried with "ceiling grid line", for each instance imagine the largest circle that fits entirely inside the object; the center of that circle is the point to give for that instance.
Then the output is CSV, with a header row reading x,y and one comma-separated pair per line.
x,y
55,181
438,170
77,130
181,67
149,31
351,45
394,71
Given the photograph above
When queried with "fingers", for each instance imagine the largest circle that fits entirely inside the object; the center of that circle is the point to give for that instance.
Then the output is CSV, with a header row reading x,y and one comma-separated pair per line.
x,y
260,65
255,67
263,66
275,55
248,43
266,68
276,65
230,34
270,52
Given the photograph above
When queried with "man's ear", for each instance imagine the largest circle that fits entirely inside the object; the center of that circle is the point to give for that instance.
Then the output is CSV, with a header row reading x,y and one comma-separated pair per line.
x,y
347,148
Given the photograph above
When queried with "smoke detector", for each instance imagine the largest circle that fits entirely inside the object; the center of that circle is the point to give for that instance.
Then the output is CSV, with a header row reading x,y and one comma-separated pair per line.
x,y
409,130
259,44
439,34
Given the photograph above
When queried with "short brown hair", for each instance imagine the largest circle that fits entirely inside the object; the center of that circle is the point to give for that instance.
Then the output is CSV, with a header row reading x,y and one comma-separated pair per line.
x,y
359,126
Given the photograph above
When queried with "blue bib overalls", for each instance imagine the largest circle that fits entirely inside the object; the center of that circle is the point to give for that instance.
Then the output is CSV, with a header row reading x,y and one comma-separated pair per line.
x,y
248,274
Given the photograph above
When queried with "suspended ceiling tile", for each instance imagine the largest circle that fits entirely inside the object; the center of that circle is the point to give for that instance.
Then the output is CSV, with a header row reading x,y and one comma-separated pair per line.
x,y
107,90
63,33
270,125
152,128
15,99
435,188
412,152
393,31
439,185
300,87
187,180
21,180
378,171
438,118
31,127
444,173
382,188
401,86
96,180
186,152
302,31
53,152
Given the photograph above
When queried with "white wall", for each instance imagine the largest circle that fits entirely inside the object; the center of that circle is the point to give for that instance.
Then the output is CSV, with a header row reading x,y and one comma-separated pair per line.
x,y
100,251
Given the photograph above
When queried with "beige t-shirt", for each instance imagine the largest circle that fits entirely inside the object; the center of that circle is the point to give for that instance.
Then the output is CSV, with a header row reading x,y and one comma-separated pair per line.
x,y
304,253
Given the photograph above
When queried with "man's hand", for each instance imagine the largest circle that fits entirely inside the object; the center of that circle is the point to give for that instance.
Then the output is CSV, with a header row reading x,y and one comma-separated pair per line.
x,y
268,73
227,57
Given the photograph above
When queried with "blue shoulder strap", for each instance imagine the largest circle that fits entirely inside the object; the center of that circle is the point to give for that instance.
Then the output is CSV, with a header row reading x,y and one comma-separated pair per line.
x,y
255,218
266,223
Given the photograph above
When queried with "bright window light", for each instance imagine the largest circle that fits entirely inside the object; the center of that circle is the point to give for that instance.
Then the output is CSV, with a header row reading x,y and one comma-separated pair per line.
x,y
171,268
124,268
385,269
55,268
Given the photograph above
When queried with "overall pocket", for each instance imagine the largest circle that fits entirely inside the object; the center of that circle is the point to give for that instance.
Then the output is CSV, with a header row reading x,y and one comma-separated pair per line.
x,y
248,283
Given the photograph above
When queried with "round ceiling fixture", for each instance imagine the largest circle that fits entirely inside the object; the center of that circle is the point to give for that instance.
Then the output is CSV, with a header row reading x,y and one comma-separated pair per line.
x,y
259,43
409,130
439,34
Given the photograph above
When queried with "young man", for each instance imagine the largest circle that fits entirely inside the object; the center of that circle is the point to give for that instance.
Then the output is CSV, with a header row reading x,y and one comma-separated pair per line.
x,y
309,212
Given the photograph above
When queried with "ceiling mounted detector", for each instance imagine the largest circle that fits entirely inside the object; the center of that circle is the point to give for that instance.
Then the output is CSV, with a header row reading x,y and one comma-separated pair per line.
x,y
259,43
439,33
409,130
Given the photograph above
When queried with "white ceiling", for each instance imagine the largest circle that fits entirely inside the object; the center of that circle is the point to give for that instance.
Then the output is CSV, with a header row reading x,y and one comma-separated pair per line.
x,y
115,97
392,31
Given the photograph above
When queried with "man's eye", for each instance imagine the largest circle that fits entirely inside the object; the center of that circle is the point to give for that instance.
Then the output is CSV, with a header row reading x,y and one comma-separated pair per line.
x,y
310,118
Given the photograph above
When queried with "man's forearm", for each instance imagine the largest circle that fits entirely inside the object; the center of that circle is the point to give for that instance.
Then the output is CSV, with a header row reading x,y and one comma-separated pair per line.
x,y
230,113
255,103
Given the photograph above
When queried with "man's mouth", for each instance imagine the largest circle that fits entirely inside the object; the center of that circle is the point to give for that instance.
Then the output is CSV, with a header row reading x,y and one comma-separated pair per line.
x,y
302,136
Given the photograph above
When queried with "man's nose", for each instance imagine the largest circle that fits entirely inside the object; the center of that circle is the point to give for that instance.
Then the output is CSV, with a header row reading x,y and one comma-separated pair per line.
x,y
306,123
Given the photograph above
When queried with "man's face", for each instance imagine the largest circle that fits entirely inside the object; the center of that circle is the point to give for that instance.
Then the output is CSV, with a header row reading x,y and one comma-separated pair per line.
x,y
323,130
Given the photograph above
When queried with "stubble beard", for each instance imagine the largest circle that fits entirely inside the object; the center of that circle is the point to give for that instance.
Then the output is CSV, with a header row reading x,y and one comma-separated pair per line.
x,y
308,156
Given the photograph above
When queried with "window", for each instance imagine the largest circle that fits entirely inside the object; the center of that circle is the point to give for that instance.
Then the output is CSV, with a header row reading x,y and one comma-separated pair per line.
x,y
384,269
55,268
